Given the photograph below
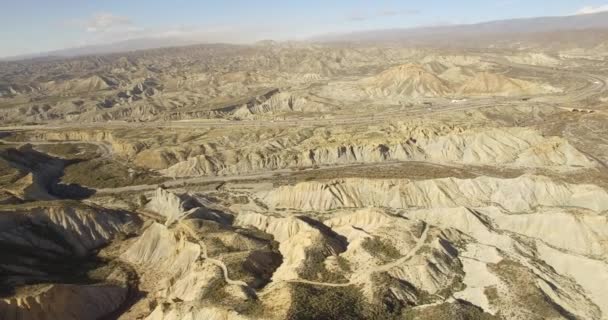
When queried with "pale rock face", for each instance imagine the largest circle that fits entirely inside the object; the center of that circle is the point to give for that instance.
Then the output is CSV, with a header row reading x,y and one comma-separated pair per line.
x,y
590,274
159,248
173,207
490,211
167,204
459,218
370,219
576,231
91,84
477,276
194,314
276,103
514,147
430,272
553,152
171,267
516,195
193,284
406,80
581,233
280,228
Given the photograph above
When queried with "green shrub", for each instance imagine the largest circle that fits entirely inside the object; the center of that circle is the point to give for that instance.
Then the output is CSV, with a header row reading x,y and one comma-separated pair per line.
x,y
381,249
328,303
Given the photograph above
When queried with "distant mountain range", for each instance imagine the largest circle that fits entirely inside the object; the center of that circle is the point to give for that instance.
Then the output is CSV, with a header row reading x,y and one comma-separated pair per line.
x,y
121,46
578,30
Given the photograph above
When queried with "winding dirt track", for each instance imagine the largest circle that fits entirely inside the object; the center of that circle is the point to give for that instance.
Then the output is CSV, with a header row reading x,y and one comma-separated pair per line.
x,y
383,268
184,227
216,262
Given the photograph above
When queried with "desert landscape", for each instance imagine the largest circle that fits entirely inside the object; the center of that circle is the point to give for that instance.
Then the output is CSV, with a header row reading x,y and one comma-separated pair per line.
x,y
389,176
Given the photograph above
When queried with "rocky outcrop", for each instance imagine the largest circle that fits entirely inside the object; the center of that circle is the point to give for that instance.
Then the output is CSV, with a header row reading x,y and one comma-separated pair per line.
x,y
576,231
169,265
375,253
528,239
105,139
58,243
75,86
408,80
590,274
190,313
32,174
62,228
159,248
28,188
515,195
167,204
276,103
446,77
296,237
514,147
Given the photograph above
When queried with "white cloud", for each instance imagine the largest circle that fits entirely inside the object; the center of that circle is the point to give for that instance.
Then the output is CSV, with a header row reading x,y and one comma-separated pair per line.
x,y
592,9
103,22
106,27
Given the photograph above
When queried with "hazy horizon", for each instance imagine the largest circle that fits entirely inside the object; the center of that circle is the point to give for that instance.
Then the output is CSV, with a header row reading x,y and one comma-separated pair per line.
x,y
30,27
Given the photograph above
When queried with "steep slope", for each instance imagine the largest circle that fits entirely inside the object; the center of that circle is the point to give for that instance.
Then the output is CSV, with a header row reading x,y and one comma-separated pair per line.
x,y
526,241
486,83
298,240
62,228
516,195
515,147
167,205
534,58
69,302
74,86
409,80
57,243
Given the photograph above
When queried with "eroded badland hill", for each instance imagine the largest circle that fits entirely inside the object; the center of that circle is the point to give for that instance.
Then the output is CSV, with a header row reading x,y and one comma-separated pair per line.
x,y
297,181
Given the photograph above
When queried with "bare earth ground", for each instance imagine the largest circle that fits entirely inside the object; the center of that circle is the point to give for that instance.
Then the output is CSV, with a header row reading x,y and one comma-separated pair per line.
x,y
305,182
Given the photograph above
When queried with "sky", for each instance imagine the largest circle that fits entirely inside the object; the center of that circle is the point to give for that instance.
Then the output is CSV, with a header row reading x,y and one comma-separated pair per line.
x,y
34,26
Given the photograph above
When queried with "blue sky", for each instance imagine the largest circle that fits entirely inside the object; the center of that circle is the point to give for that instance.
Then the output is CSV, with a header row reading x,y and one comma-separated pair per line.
x,y
31,26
